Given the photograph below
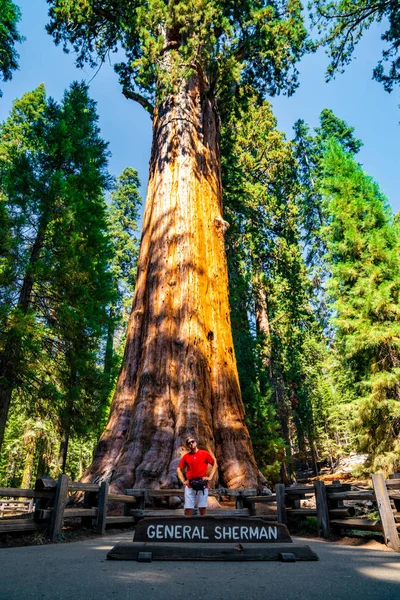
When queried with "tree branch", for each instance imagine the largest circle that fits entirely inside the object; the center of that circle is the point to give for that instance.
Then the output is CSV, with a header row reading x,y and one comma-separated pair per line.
x,y
348,15
349,33
130,95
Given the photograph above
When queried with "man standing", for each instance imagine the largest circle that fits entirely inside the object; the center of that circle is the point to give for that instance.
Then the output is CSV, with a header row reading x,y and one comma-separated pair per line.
x,y
195,464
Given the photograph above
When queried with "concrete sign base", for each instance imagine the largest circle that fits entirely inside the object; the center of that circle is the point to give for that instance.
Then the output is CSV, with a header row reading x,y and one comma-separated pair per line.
x,y
211,538
147,552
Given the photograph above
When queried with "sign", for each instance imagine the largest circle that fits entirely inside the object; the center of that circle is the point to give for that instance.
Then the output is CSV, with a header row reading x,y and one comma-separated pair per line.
x,y
210,530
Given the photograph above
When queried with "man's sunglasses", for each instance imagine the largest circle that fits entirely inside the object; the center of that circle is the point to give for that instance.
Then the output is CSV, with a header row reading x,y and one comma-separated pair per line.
x,y
190,442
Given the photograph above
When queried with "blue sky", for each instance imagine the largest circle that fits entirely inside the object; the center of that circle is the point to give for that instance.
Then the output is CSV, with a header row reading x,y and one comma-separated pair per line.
x,y
353,96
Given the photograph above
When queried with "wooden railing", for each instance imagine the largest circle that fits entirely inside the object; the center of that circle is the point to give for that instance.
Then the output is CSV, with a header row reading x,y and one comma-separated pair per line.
x,y
333,516
51,508
14,507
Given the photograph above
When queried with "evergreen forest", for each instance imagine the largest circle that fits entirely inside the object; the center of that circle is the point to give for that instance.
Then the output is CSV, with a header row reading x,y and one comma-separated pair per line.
x,y
312,244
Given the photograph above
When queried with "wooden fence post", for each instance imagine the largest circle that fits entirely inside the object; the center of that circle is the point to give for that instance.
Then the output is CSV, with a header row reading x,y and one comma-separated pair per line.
x,y
60,501
239,500
102,508
280,501
90,500
322,509
396,500
142,500
385,511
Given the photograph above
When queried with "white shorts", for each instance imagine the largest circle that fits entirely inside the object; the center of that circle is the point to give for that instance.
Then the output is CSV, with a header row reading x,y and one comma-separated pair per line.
x,y
192,497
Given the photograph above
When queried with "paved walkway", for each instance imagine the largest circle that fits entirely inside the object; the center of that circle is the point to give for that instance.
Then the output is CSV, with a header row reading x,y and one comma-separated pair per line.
x,y
80,571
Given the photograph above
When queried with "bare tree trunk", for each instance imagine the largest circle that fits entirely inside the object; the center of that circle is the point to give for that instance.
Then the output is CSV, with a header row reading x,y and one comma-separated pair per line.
x,y
28,465
5,400
64,450
282,411
42,467
264,333
315,457
179,373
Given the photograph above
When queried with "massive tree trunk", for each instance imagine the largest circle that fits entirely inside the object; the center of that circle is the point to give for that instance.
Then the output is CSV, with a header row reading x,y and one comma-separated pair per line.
x,y
179,373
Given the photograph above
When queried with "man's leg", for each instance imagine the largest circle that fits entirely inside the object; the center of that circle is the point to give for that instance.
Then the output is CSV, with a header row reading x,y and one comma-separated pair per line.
x,y
202,505
189,501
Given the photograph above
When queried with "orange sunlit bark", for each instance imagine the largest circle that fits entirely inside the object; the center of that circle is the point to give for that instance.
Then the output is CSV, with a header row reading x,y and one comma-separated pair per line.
x,y
179,373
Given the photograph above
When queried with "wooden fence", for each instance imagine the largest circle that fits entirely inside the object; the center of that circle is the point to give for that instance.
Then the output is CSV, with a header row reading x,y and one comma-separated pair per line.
x,y
333,516
15,507
51,508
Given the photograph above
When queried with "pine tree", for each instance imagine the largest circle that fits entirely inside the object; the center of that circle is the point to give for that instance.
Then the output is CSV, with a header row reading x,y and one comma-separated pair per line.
x,y
55,304
123,216
363,245
309,151
326,400
25,206
9,37
248,135
270,291
123,227
76,260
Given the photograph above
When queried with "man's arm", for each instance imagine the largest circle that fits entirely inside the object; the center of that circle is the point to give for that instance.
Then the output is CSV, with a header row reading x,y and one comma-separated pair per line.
x,y
181,477
214,468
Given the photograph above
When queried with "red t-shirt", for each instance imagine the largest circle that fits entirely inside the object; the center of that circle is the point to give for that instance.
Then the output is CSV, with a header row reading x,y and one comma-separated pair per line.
x,y
196,464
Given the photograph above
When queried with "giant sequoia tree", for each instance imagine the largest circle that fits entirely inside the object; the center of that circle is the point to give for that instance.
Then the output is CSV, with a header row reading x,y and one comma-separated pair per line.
x,y
183,61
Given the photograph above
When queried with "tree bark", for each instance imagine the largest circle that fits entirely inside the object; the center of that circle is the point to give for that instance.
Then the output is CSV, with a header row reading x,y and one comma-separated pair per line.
x,y
64,450
264,333
264,330
179,373
28,464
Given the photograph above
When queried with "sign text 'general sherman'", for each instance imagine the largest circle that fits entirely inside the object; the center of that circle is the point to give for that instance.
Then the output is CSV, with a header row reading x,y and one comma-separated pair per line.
x,y
188,532
210,529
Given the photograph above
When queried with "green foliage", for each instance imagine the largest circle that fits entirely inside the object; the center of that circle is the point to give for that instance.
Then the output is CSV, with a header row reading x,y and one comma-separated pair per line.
x,y
21,181
343,23
56,284
68,267
309,525
329,412
309,150
123,215
364,288
123,227
9,36
254,41
38,439
269,288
